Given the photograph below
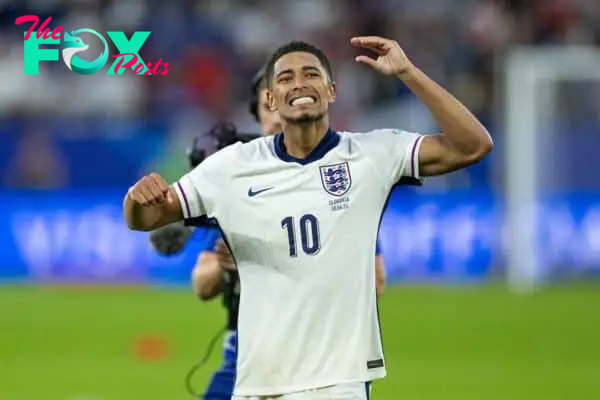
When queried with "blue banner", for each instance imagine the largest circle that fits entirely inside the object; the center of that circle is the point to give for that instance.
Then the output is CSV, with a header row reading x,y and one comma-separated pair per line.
x,y
81,237
457,236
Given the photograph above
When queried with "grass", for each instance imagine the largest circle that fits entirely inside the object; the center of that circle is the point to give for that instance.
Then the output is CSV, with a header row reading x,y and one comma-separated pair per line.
x,y
446,343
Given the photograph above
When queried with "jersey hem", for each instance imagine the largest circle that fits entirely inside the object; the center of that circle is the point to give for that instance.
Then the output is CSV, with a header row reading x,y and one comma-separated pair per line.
x,y
283,390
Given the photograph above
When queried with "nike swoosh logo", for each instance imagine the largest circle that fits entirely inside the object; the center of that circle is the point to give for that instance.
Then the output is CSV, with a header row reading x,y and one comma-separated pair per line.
x,y
252,193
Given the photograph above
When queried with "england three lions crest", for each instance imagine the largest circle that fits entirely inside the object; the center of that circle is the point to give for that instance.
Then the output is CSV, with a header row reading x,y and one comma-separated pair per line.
x,y
336,178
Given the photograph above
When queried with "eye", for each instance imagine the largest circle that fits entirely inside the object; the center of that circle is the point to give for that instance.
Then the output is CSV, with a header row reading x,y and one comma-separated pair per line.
x,y
285,78
313,75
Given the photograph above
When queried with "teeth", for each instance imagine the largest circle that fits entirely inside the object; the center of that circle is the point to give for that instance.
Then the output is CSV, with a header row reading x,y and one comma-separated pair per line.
x,y
302,100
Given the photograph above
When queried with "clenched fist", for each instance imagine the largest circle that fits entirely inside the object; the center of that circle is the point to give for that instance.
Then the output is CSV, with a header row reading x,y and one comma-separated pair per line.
x,y
151,190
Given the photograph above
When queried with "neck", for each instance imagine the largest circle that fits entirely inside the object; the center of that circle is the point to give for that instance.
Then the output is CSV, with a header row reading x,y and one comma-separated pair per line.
x,y
301,139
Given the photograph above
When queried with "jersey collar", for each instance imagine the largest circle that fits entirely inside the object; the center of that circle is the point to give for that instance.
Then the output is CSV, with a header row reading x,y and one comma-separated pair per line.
x,y
329,141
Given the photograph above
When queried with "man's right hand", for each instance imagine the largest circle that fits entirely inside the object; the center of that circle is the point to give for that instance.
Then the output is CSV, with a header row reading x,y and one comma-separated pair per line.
x,y
151,190
150,204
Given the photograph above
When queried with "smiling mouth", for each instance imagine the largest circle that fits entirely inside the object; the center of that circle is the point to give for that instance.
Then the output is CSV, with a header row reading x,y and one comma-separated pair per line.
x,y
302,100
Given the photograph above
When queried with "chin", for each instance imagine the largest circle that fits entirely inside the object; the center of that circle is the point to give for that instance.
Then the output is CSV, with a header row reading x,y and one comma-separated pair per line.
x,y
305,118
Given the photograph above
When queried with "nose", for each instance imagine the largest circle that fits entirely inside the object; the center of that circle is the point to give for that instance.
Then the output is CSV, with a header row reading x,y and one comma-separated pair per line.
x,y
299,81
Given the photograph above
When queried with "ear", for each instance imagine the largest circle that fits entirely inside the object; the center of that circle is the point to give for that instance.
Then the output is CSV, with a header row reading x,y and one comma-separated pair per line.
x,y
331,92
271,100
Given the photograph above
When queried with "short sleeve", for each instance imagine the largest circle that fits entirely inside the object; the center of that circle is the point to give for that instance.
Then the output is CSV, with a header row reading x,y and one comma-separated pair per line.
x,y
395,153
199,190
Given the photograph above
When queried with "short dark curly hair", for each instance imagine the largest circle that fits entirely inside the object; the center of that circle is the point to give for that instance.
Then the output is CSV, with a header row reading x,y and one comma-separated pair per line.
x,y
293,47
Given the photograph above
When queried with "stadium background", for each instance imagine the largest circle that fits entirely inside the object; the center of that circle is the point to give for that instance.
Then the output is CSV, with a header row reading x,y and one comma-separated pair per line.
x,y
89,312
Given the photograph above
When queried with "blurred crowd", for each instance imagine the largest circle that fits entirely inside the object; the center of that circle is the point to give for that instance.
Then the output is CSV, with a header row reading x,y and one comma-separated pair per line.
x,y
215,46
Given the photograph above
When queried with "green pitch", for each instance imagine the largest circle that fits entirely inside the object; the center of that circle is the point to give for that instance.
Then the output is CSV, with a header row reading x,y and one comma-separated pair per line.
x,y
451,343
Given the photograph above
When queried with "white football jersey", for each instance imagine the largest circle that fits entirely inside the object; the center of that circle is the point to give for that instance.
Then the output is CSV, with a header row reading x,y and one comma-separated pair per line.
x,y
303,234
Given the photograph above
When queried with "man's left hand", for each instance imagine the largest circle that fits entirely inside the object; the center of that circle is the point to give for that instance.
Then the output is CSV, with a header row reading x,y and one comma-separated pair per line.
x,y
391,59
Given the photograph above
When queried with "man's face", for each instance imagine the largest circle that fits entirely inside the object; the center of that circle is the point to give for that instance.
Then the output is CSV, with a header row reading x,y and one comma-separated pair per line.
x,y
301,90
269,119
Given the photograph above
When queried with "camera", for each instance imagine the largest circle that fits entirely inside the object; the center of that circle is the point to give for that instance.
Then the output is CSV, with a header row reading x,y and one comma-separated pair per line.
x,y
220,136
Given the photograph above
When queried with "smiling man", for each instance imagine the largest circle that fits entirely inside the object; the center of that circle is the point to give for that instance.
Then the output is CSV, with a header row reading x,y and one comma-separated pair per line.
x,y
308,325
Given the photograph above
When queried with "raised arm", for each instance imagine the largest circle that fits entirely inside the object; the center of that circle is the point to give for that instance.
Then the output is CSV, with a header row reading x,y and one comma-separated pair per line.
x,y
151,204
464,140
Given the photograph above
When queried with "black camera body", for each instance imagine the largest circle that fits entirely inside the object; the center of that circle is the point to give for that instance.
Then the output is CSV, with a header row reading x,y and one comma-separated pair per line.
x,y
220,136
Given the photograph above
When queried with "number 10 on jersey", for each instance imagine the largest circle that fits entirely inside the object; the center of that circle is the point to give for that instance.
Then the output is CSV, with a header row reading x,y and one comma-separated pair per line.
x,y
308,228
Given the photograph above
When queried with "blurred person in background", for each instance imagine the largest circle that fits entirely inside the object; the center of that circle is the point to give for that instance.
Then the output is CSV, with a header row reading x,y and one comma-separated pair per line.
x,y
215,271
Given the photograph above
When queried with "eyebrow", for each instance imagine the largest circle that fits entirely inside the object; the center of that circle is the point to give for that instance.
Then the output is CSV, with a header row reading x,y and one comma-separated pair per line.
x,y
305,68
